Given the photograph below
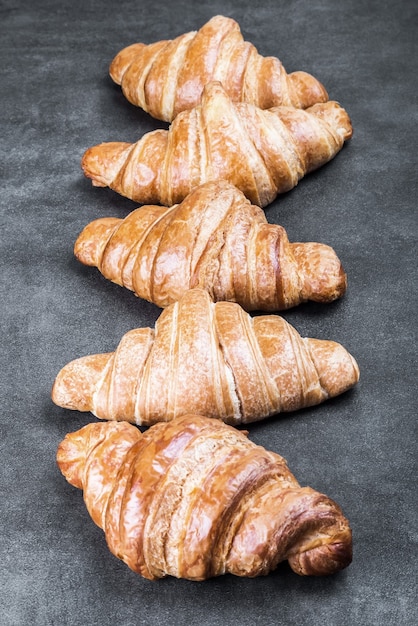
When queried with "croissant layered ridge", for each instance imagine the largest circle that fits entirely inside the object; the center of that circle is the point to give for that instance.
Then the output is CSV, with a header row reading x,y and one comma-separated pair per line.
x,y
263,153
209,358
167,77
195,498
216,240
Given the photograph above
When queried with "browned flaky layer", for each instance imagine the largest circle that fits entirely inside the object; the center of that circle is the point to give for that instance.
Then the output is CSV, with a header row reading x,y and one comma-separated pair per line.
x,y
209,358
262,152
167,77
216,240
194,498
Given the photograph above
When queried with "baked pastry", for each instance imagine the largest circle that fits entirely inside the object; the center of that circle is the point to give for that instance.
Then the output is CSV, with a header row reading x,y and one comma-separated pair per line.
x,y
167,77
209,358
262,152
216,240
194,498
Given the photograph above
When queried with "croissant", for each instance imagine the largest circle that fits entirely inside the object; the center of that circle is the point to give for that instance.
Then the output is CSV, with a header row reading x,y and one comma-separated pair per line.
x,y
194,498
262,152
216,240
209,358
167,77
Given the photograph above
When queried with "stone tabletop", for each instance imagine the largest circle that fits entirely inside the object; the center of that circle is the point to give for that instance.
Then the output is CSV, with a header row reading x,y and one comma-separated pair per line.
x,y
56,100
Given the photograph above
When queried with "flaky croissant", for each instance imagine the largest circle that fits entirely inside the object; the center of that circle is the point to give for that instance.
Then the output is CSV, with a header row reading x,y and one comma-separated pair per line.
x,y
262,152
167,77
216,240
194,498
208,358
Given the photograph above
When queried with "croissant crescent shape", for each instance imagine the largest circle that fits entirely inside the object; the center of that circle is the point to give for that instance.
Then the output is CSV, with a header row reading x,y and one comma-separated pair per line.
x,y
262,152
209,358
216,240
167,77
194,498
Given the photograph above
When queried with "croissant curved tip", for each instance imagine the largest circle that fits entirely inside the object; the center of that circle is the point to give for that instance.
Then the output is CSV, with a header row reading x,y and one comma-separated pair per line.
x,y
334,114
72,388
308,89
74,449
102,162
338,369
122,61
324,560
330,284
70,456
91,166
322,273
90,242
326,545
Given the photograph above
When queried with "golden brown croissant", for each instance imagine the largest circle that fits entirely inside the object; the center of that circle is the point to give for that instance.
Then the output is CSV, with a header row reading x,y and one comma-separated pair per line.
x,y
194,498
208,358
216,240
167,77
263,153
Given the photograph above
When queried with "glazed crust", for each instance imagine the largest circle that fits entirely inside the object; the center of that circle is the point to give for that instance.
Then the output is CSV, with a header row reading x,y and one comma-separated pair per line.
x,y
209,358
168,77
216,240
194,498
262,152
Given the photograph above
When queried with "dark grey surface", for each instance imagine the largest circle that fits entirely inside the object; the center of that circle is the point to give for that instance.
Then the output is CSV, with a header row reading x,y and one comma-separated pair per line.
x,y
57,100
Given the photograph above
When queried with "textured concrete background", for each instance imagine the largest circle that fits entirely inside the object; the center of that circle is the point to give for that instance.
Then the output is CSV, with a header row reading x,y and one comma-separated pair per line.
x,y
56,99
